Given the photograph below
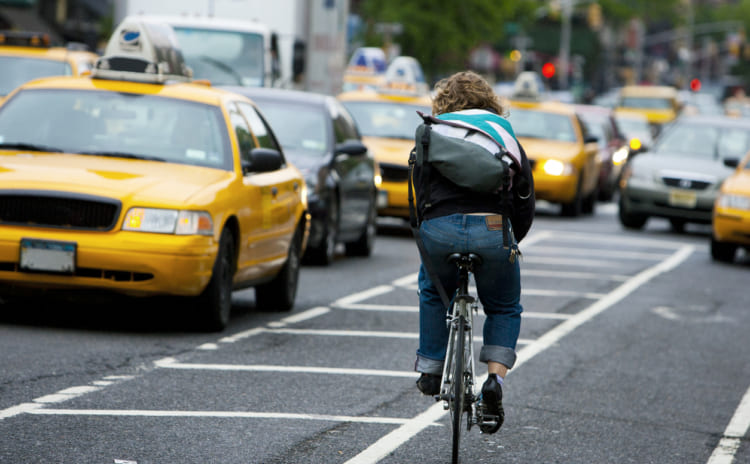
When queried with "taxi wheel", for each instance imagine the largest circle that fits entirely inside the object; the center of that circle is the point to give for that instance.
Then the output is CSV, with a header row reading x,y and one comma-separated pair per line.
x,y
365,243
575,207
279,294
723,252
215,303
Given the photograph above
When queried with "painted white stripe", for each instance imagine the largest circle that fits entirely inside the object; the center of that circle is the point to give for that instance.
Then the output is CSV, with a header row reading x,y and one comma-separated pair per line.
x,y
364,295
415,309
295,369
562,293
208,347
599,253
615,238
408,280
388,443
572,275
302,316
223,414
18,409
547,260
241,335
359,333
725,451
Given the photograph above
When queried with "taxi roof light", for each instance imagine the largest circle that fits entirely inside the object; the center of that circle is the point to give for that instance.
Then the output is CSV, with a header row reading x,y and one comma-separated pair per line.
x,y
25,39
143,51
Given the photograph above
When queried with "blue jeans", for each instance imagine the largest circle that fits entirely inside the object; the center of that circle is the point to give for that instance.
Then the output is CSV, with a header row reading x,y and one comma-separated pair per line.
x,y
498,283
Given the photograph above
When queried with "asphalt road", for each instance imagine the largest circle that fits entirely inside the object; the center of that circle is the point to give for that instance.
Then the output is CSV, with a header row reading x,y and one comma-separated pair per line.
x,y
634,349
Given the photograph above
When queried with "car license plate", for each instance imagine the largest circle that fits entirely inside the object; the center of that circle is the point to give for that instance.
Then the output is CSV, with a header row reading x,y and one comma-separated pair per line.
x,y
382,199
683,198
47,256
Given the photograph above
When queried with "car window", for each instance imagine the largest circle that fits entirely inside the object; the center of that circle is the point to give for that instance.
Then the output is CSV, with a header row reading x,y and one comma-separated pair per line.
x,y
344,126
703,141
386,119
647,103
300,128
116,123
259,127
242,131
19,70
542,125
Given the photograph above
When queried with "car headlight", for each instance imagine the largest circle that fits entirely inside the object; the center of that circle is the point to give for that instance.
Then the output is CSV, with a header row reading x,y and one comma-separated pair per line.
x,y
734,201
168,221
557,168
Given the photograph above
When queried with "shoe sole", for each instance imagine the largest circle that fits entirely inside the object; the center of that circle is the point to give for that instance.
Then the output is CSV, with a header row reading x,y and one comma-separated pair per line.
x,y
490,398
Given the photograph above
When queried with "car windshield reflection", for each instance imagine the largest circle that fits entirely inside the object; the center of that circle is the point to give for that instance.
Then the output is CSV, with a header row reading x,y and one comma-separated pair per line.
x,y
706,142
542,125
387,120
301,129
117,125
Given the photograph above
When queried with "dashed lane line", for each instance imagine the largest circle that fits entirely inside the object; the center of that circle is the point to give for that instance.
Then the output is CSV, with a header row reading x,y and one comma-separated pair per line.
x,y
725,451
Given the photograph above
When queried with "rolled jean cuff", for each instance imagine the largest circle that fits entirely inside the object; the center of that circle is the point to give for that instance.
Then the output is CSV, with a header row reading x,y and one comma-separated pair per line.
x,y
428,366
500,354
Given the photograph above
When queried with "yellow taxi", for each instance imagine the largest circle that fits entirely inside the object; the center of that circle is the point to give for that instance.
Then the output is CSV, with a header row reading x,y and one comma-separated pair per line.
x,y
659,103
731,214
562,154
137,181
25,56
388,119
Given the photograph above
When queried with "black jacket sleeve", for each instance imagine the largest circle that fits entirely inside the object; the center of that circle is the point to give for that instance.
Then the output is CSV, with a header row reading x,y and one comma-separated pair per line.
x,y
523,202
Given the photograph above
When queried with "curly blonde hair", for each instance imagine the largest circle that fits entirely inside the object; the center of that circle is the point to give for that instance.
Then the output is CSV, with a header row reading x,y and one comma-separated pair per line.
x,y
465,90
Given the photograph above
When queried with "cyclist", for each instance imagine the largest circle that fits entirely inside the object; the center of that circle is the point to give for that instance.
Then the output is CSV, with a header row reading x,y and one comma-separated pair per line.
x,y
461,220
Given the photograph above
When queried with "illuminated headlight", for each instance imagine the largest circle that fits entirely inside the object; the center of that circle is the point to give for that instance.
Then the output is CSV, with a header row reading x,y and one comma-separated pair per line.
x,y
378,180
734,202
557,168
620,156
168,221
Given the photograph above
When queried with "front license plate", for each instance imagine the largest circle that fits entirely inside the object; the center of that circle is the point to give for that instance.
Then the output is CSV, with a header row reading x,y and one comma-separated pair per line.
x,y
683,198
47,256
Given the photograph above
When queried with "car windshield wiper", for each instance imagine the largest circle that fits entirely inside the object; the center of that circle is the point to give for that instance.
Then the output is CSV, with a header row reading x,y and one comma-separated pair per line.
x,y
28,146
222,66
121,154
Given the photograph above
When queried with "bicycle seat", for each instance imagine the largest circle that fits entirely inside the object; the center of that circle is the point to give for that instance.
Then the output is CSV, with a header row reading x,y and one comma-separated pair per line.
x,y
465,259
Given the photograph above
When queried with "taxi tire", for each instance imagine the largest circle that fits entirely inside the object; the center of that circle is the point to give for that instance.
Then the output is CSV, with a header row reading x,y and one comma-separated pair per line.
x,y
279,294
575,207
723,252
366,242
325,251
214,305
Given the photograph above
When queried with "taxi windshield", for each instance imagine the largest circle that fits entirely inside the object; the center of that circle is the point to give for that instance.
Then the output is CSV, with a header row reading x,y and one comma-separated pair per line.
x,y
301,129
386,119
221,56
116,124
17,70
646,103
542,125
704,141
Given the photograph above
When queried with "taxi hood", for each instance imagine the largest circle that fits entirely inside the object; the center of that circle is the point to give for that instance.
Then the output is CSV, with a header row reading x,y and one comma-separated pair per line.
x,y
390,151
739,183
544,149
148,182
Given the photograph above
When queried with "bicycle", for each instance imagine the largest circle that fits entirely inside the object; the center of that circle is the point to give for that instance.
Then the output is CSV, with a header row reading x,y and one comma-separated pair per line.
x,y
457,385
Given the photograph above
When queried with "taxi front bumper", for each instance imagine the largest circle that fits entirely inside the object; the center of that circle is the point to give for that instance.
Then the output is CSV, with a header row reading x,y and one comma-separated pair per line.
x,y
133,263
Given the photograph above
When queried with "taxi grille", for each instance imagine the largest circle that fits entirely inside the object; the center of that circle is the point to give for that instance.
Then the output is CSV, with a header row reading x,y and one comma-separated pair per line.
x,y
53,209
394,172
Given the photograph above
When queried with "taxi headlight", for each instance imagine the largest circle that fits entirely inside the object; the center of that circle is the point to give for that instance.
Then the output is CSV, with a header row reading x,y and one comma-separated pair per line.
x,y
620,156
557,168
734,201
168,221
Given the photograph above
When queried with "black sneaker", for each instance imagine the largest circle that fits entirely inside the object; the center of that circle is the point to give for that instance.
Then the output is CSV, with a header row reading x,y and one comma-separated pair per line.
x,y
429,384
491,403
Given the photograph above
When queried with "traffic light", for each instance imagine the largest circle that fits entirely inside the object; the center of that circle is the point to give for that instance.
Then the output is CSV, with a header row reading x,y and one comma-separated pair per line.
x,y
695,84
548,70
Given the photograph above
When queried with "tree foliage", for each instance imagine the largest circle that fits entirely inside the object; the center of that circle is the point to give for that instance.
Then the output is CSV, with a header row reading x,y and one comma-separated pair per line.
x,y
441,33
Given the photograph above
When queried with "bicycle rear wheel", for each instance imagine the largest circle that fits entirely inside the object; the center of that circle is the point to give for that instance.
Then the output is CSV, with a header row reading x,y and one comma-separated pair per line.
x,y
459,387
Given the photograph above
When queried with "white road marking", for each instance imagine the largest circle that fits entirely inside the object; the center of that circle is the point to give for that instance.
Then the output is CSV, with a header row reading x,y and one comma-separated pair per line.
x,y
572,275
364,295
367,334
296,369
547,260
302,316
388,443
598,252
226,414
725,451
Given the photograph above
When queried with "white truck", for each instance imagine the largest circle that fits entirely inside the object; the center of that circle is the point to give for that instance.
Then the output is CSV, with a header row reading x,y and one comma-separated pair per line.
x,y
283,43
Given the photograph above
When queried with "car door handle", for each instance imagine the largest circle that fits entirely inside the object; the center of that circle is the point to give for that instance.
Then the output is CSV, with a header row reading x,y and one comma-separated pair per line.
x,y
274,191
296,186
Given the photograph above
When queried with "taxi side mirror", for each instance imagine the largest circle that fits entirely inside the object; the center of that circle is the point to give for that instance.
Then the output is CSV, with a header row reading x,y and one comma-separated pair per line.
x,y
731,162
591,139
262,160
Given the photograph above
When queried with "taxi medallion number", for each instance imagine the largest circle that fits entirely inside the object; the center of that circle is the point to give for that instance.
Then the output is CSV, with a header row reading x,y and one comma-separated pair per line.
x,y
683,198
47,256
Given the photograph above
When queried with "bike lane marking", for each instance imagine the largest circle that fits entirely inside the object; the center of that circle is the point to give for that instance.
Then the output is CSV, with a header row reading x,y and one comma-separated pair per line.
x,y
391,441
729,444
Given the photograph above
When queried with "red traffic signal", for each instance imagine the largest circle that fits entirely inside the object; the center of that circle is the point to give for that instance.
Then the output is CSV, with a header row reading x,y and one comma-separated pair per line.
x,y
548,70
695,85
